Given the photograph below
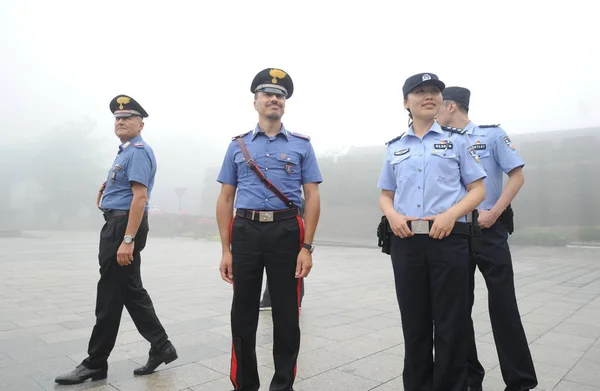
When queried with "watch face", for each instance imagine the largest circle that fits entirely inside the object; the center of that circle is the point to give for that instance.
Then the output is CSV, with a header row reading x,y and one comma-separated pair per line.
x,y
128,239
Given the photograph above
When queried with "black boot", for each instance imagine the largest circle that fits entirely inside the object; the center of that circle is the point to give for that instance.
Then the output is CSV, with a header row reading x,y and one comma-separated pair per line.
x,y
81,374
155,359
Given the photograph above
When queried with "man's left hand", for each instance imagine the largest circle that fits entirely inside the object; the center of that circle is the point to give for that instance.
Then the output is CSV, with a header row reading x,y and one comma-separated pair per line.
x,y
125,253
304,263
487,218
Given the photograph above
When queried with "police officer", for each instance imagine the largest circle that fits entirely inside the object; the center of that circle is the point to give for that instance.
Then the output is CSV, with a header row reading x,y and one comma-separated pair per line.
x,y
431,180
269,167
490,250
124,202
265,303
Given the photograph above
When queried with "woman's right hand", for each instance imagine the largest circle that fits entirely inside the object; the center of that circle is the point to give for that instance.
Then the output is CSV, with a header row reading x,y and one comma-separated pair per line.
x,y
399,225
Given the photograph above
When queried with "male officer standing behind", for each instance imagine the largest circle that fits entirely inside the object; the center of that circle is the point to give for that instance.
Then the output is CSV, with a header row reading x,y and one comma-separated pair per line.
x,y
267,231
490,250
124,201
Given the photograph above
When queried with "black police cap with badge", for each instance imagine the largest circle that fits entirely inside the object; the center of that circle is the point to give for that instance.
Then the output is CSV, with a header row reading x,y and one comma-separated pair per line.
x,y
421,79
123,106
273,81
458,94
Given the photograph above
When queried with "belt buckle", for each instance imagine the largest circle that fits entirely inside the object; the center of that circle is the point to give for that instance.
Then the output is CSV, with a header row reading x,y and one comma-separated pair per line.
x,y
420,227
265,216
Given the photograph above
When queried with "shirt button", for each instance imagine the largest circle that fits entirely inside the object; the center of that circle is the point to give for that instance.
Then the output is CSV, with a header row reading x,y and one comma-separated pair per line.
x,y
418,187
440,211
267,154
266,200
420,170
420,154
266,168
418,205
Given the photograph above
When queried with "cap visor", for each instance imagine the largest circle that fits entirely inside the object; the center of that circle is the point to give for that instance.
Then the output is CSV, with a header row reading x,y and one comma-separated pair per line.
x,y
437,83
269,90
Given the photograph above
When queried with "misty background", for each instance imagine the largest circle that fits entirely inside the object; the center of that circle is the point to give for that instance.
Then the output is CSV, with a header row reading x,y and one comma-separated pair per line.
x,y
531,67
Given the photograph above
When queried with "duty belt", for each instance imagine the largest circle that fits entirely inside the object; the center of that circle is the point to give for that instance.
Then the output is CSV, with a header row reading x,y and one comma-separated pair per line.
x,y
267,216
422,227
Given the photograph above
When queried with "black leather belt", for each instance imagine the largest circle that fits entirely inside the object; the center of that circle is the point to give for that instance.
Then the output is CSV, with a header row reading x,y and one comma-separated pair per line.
x,y
267,216
422,227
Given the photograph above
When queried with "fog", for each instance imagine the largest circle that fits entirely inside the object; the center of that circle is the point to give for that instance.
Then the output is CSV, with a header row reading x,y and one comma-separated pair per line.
x,y
531,66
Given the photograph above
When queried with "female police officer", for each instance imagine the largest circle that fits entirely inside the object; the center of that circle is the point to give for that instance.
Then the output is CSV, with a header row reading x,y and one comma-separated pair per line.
x,y
430,181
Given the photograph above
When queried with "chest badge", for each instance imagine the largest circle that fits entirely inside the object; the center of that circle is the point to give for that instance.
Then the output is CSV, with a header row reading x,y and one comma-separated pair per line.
x,y
479,146
401,152
443,144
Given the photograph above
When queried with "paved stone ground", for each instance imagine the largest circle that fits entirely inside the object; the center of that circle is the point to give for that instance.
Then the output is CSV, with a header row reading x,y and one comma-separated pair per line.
x,y
351,339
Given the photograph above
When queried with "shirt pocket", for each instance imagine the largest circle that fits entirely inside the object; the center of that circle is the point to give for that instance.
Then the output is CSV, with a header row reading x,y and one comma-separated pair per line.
x,y
241,164
444,164
401,166
117,174
288,164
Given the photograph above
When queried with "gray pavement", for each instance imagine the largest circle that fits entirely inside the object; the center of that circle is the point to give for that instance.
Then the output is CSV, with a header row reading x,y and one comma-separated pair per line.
x,y
351,334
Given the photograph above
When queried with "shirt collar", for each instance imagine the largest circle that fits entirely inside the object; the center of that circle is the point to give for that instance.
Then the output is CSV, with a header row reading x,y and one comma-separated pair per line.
x,y
470,128
136,139
434,128
257,130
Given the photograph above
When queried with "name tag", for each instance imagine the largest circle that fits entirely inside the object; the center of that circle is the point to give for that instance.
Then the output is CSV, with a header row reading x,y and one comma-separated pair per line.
x,y
443,146
479,146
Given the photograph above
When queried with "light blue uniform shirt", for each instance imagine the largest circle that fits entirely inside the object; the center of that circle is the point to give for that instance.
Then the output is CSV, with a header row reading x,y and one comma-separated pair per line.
x,y
429,175
287,160
497,154
135,162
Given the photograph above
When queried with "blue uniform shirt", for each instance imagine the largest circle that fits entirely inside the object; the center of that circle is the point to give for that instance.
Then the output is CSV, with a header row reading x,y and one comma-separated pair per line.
x,y
135,162
287,160
429,175
497,154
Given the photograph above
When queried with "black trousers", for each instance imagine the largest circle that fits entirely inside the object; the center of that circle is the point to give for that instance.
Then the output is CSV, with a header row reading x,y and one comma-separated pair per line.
x,y
122,286
267,294
431,279
492,255
256,246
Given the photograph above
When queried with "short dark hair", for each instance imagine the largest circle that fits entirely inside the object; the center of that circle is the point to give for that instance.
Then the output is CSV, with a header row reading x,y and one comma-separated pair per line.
x,y
461,106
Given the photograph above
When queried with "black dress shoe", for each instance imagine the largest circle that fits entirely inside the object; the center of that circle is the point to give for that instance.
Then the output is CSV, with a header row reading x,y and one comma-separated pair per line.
x,y
166,356
81,374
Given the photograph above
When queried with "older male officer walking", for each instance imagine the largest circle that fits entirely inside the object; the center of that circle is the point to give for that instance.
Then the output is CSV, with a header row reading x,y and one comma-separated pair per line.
x,y
269,167
490,250
123,198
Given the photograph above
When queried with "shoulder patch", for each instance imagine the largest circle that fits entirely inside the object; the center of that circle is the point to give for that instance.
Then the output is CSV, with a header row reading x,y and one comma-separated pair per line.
x,y
453,130
240,135
139,145
488,126
395,139
299,135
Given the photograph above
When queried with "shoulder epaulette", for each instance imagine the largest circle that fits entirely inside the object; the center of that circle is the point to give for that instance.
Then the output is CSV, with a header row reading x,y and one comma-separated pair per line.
x,y
302,136
139,145
395,139
240,135
489,126
453,130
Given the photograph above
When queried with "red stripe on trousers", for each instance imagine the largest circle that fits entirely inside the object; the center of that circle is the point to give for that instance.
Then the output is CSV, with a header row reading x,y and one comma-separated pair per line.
x,y
234,361
299,283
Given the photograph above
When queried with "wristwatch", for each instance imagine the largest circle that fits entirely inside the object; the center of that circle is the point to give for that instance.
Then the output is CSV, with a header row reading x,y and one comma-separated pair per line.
x,y
309,247
128,239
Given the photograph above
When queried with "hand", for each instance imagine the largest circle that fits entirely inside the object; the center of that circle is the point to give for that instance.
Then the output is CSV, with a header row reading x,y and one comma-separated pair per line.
x,y
399,226
99,195
442,225
226,267
304,263
125,253
487,218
